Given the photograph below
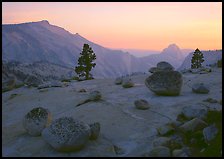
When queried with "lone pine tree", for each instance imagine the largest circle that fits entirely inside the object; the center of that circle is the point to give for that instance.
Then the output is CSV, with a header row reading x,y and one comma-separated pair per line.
x,y
85,62
197,59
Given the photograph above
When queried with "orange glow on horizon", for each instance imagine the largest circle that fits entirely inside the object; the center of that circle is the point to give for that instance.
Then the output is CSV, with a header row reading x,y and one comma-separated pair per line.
x,y
137,25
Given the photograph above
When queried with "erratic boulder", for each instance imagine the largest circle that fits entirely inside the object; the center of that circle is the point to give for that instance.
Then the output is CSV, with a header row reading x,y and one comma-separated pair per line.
x,y
153,69
164,66
166,83
67,134
36,120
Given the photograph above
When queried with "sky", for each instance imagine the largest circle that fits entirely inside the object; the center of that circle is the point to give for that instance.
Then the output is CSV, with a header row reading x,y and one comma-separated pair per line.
x,y
132,25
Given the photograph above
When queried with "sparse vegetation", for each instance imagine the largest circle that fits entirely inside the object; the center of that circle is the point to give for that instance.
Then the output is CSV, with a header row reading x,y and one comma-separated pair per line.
x,y
195,140
85,63
219,63
197,59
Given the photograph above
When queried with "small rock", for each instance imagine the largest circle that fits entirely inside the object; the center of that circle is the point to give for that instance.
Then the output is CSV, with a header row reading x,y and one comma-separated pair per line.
x,y
127,83
161,141
179,153
194,111
82,90
164,129
118,150
165,66
210,132
160,151
210,100
200,88
142,104
193,125
95,95
67,134
118,81
95,130
36,120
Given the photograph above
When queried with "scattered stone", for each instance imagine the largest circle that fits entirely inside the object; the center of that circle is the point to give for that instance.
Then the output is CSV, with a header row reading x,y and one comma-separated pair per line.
x,y
127,83
165,66
194,111
193,125
118,150
142,104
118,81
82,90
165,129
200,88
67,134
210,132
166,83
210,100
161,141
160,151
95,130
36,120
179,153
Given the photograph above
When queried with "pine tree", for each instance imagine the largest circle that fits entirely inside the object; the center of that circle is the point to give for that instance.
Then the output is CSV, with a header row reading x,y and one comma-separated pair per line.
x,y
85,62
197,59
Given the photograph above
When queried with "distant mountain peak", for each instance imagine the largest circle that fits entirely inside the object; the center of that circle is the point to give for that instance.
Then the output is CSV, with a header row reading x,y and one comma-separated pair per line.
x,y
173,46
43,22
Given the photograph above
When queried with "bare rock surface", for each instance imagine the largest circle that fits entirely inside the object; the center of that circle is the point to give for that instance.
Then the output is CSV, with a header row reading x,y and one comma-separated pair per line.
x,y
121,124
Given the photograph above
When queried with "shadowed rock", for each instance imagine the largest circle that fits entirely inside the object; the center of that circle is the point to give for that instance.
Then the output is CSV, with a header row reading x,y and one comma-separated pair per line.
x,y
166,83
164,66
118,81
36,120
127,83
67,134
142,104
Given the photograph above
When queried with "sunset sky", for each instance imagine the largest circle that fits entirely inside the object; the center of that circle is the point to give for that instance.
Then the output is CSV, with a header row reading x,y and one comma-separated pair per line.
x,y
145,25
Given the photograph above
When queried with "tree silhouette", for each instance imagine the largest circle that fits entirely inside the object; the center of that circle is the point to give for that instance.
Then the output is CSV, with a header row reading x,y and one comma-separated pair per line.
x,y
197,59
85,62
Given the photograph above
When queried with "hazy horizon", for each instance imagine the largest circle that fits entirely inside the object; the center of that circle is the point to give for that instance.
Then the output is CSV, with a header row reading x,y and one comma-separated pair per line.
x,y
129,25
